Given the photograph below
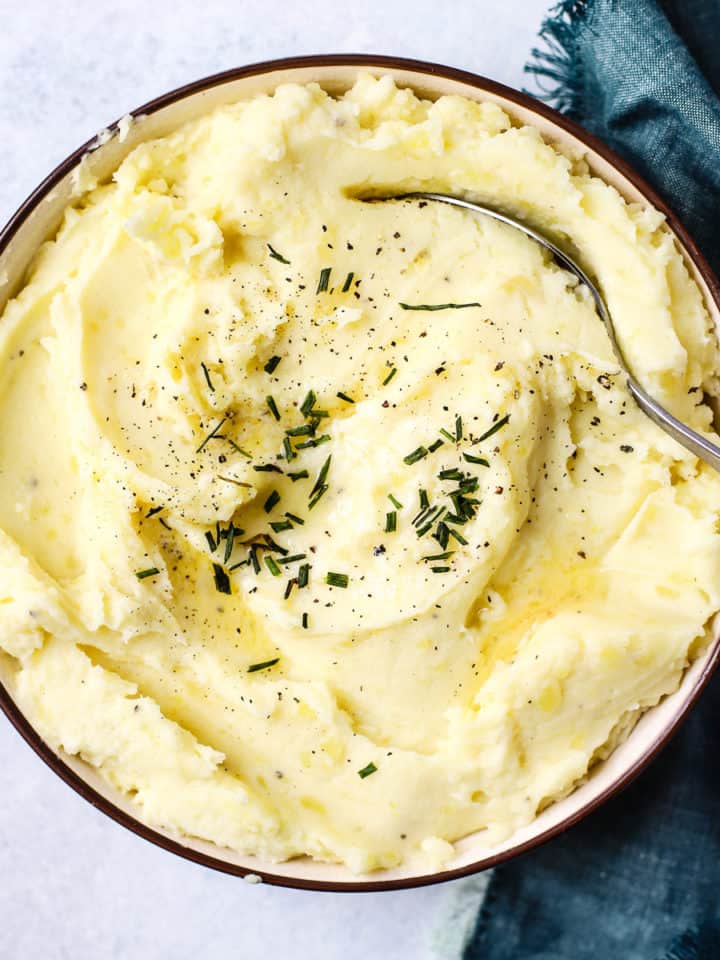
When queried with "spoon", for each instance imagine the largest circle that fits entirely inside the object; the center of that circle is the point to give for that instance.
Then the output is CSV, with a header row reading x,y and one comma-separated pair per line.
x,y
689,438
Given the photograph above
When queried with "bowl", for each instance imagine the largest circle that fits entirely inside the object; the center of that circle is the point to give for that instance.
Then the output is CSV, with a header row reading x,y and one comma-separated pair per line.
x,y
38,219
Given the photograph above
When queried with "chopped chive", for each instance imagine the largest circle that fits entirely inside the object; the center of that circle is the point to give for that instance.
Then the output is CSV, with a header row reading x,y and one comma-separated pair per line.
x,y
494,428
314,442
447,435
306,430
319,414
435,445
266,664
348,282
438,306
423,497
303,576
471,459
458,428
293,559
238,483
272,566
366,771
212,434
439,569
164,523
271,365
288,589
241,563
150,572
391,522
469,484
222,580
389,377
456,536
207,377
211,541
273,407
229,543
279,525
151,513
442,533
298,475
236,447
337,579
416,455
308,403
305,621
288,450
218,534
345,397
272,500
319,493
254,559
324,279
322,476
395,502
277,256
424,529
295,519
267,468
453,474
439,556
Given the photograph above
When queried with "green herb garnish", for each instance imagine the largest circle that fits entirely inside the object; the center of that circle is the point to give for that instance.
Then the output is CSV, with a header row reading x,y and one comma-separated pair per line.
x,y
303,576
295,519
345,397
298,475
322,476
494,428
211,541
395,502
222,580
447,435
277,256
389,377
435,445
314,442
337,579
279,525
439,569
438,306
318,495
348,282
293,559
305,621
229,543
458,428
150,572
366,771
456,536
273,407
151,513
439,556
308,403
207,377
267,468
213,433
237,448
416,455
272,500
272,566
471,459
288,589
324,279
271,365
263,666
288,450
391,521
423,500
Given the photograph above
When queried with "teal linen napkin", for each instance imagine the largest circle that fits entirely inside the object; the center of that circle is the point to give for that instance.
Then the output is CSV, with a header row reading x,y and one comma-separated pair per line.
x,y
640,878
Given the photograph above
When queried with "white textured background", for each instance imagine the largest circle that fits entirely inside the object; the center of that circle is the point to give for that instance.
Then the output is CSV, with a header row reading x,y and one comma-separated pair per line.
x,y
72,883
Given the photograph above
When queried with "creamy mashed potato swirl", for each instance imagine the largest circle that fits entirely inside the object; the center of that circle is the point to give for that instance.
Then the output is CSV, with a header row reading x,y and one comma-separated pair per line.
x,y
304,566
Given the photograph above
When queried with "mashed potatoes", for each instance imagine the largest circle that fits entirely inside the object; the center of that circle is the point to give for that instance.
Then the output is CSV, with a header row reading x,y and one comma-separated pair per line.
x,y
330,528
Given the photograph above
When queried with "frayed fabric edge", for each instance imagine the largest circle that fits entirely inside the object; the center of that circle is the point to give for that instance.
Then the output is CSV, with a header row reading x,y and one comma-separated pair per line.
x,y
558,66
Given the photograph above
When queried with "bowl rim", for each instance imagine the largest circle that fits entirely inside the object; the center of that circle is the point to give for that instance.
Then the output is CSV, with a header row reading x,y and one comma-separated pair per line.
x,y
527,102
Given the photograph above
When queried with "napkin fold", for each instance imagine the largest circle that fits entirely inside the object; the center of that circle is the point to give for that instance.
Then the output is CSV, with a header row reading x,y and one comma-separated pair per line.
x,y
640,878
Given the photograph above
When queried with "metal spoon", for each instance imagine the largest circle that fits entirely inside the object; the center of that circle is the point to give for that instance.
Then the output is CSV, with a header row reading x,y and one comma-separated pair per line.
x,y
689,438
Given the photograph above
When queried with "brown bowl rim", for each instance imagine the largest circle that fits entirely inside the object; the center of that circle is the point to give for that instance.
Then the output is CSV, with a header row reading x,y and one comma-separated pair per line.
x,y
390,63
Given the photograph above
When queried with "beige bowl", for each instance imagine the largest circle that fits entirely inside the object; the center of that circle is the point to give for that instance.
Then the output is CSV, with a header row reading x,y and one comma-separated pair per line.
x,y
39,218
